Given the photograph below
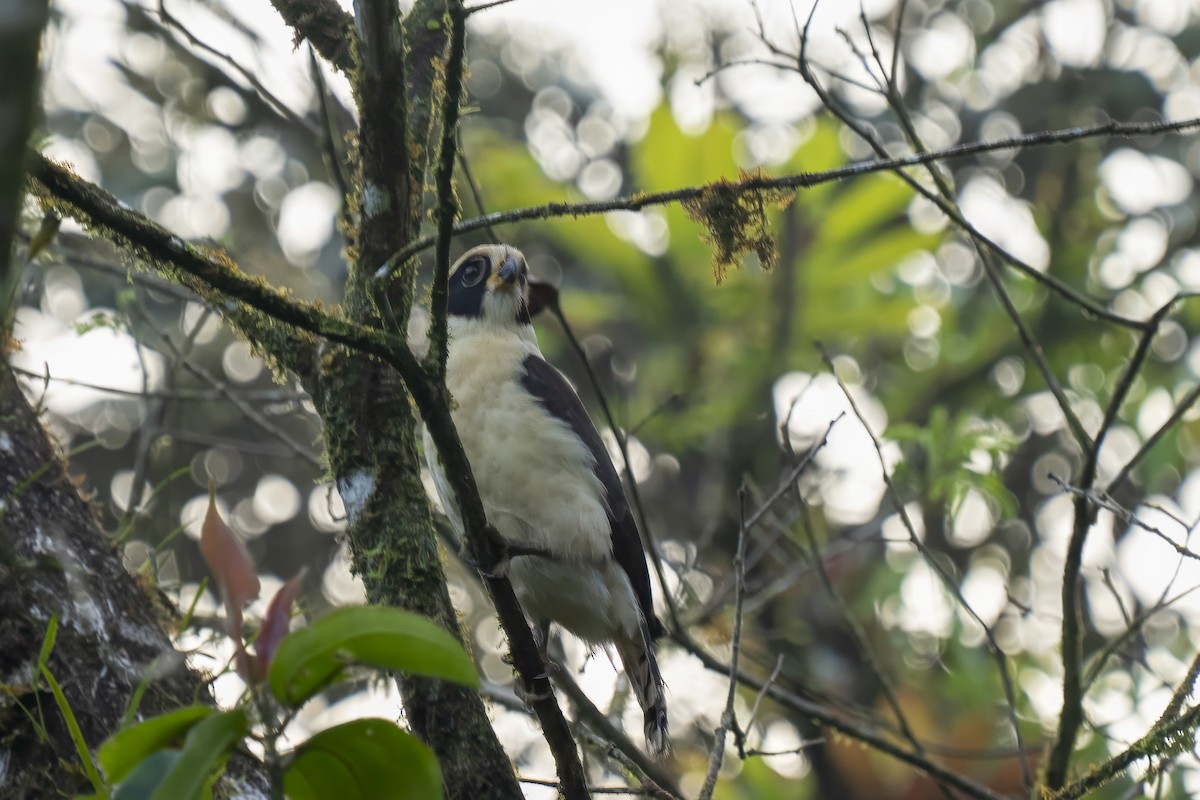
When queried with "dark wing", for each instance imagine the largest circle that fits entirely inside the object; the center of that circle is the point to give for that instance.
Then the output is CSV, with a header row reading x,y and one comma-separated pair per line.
x,y
552,390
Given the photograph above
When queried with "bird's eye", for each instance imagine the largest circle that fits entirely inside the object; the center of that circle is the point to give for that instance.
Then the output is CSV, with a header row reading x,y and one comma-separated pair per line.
x,y
473,271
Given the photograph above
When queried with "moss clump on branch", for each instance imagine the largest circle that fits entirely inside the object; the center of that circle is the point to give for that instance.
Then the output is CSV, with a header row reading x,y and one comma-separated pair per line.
x,y
735,218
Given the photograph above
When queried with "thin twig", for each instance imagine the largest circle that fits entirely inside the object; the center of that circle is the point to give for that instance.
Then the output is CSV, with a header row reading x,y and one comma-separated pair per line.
x,y
251,413
333,161
447,202
177,395
728,717
805,180
476,194
1184,406
810,710
869,657
632,791
1102,500
151,428
246,74
758,698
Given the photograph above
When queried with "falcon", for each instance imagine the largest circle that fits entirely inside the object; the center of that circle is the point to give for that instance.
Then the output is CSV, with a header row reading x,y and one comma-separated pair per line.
x,y
546,480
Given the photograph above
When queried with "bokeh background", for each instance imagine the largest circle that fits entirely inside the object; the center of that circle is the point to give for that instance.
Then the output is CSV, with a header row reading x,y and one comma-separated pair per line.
x,y
203,115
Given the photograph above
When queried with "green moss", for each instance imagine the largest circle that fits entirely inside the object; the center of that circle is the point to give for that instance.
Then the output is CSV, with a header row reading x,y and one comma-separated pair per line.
x,y
735,218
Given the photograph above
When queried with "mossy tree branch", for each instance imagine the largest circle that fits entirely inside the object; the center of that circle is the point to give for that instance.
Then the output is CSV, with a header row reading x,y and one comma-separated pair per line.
x,y
447,201
247,302
325,25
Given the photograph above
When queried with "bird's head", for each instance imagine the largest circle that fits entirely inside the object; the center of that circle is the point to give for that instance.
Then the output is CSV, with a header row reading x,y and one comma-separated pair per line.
x,y
490,284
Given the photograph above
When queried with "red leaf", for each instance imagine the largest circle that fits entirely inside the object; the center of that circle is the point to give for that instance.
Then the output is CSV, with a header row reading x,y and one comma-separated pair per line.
x,y
231,564
276,623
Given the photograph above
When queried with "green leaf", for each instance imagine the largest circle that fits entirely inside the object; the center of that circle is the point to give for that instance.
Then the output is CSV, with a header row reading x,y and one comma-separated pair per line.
x,y
125,749
311,658
48,642
204,751
367,759
64,707
44,236
146,777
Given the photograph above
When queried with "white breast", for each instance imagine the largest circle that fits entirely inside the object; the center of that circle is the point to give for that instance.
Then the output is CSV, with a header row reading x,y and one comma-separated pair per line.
x,y
534,475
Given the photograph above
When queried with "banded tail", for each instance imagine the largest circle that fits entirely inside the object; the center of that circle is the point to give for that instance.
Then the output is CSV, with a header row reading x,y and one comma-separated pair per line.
x,y
642,668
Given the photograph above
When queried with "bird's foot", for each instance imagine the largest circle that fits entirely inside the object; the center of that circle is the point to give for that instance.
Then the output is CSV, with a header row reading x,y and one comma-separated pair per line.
x,y
499,553
530,695
490,557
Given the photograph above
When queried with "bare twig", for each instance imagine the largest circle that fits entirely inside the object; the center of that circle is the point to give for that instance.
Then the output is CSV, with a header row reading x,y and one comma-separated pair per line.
x,y
869,657
153,423
465,168
248,75
822,715
758,698
296,447
631,791
175,395
1104,501
728,719
1059,758
1184,406
328,129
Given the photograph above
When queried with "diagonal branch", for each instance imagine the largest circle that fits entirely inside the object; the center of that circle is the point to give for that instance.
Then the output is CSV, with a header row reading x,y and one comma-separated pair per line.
x,y
1184,406
172,23
1179,731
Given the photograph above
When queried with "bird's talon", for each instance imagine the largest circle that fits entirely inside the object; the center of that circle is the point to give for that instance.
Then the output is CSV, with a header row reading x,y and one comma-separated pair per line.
x,y
529,696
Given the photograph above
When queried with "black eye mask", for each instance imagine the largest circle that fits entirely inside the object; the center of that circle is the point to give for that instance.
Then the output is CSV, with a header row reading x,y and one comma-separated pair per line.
x,y
468,285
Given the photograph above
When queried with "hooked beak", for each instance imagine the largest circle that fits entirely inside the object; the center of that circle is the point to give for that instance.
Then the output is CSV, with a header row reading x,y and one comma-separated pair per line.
x,y
508,275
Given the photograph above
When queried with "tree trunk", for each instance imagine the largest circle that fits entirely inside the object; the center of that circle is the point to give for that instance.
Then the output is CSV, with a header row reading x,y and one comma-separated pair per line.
x,y
56,562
